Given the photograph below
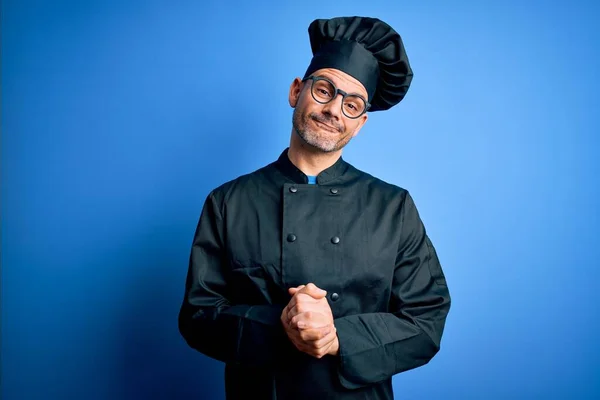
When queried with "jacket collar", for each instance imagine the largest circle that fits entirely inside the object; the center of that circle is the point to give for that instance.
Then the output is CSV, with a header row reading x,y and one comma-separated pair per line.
x,y
285,165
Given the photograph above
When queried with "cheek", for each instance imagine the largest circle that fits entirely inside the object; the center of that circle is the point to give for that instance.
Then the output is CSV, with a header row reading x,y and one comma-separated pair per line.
x,y
351,127
302,106
302,113
305,99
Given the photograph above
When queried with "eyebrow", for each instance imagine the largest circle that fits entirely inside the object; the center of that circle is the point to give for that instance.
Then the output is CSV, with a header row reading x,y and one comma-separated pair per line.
x,y
326,75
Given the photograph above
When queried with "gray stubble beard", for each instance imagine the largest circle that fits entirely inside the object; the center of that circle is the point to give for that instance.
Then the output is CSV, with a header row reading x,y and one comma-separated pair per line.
x,y
312,137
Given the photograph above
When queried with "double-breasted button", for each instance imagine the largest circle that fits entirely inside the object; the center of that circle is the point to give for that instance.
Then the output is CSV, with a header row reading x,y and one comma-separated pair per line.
x,y
334,191
335,240
293,189
291,237
335,296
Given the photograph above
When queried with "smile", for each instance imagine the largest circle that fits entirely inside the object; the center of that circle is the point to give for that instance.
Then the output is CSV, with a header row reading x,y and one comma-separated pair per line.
x,y
327,127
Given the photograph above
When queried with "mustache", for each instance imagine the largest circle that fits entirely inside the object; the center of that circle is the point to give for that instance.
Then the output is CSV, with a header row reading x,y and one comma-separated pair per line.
x,y
325,120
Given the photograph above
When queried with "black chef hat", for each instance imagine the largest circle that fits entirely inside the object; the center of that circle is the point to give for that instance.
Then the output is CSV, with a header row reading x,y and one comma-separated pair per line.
x,y
367,49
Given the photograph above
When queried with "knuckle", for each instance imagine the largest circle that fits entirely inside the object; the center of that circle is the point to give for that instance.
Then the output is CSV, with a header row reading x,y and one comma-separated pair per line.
x,y
302,297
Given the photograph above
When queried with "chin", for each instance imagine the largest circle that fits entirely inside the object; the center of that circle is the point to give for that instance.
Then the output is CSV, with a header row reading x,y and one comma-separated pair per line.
x,y
324,146
312,140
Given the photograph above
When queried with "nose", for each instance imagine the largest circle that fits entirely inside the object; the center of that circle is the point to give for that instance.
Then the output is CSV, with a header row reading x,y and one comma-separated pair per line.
x,y
334,107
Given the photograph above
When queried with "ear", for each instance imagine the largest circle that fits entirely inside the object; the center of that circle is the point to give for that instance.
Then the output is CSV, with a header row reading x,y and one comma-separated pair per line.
x,y
362,120
295,89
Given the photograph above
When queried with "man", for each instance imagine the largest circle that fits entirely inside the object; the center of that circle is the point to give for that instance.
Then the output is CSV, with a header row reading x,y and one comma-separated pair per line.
x,y
309,278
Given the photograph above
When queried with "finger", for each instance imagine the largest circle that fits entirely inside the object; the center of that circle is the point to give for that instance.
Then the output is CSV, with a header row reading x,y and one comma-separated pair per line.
x,y
313,291
284,317
317,349
305,343
288,308
311,336
323,351
300,297
285,312
311,311
310,320
303,302
325,341
316,306
292,291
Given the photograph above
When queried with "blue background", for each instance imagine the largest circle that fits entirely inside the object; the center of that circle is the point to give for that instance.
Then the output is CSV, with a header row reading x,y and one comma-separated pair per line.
x,y
119,117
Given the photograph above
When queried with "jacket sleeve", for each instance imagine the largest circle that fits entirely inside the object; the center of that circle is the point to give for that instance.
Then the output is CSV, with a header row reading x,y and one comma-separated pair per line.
x,y
231,333
376,346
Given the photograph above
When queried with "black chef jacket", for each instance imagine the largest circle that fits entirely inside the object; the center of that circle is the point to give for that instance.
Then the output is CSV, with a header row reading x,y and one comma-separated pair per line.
x,y
356,236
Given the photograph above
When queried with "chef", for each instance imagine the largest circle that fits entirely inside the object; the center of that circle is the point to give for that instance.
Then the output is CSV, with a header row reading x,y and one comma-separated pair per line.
x,y
309,278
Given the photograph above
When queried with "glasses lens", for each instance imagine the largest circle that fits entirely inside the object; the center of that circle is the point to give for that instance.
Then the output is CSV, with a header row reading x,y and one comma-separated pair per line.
x,y
322,91
353,106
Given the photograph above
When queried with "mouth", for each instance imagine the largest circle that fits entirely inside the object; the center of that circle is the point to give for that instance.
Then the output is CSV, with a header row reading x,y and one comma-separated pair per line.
x,y
327,127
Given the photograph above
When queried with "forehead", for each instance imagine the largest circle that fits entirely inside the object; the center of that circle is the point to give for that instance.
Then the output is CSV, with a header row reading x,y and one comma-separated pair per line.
x,y
342,80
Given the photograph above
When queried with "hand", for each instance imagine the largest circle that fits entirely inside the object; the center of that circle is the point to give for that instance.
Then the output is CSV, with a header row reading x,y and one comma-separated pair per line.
x,y
308,321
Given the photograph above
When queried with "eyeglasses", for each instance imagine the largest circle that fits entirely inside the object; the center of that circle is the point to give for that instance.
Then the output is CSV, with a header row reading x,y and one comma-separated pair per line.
x,y
324,91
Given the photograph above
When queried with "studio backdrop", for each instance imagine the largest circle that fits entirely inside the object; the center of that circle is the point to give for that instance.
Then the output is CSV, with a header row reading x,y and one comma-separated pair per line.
x,y
118,118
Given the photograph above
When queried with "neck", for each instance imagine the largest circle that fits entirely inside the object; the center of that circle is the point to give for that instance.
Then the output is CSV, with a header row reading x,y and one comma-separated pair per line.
x,y
308,159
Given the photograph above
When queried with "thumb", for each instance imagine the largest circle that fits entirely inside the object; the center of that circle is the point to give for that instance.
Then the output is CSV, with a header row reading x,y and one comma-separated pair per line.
x,y
312,290
294,290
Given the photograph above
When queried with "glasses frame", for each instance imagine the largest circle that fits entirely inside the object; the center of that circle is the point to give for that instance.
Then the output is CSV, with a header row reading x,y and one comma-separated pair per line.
x,y
337,91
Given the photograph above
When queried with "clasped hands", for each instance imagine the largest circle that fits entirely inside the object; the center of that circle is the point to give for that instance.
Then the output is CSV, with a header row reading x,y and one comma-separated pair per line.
x,y
308,321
